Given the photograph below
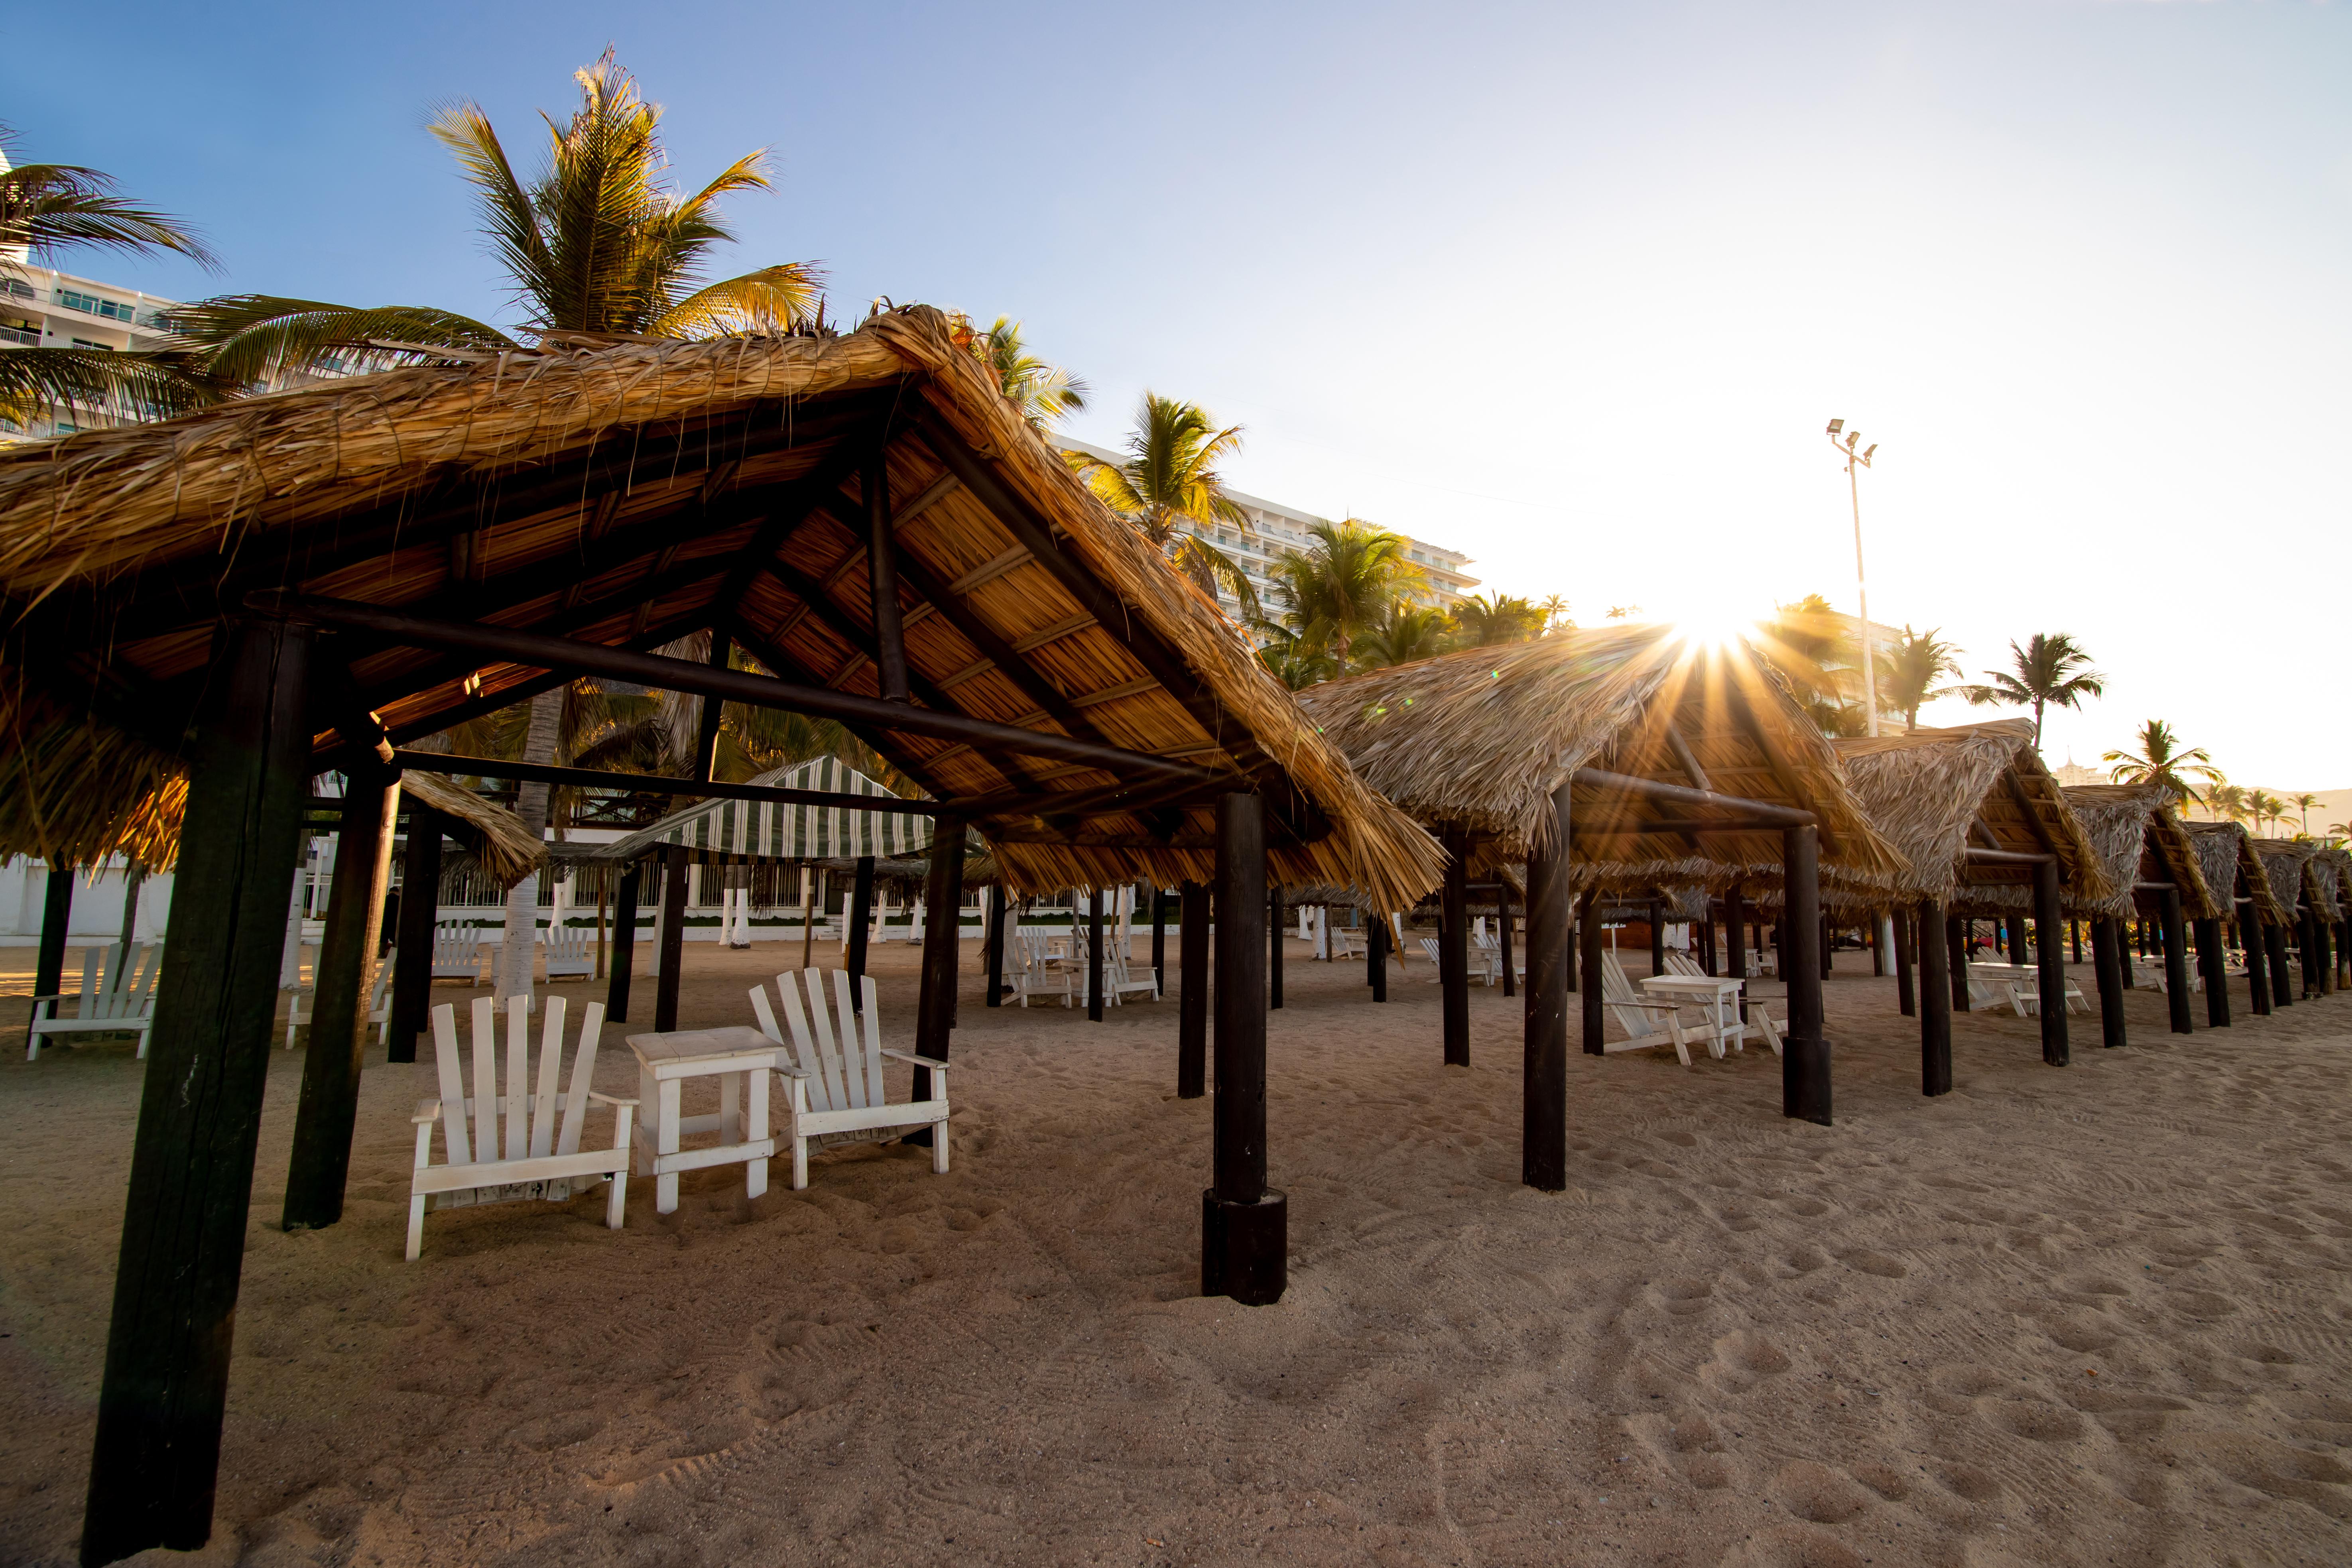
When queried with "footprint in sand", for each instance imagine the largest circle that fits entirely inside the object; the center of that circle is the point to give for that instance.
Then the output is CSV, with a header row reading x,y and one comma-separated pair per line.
x,y
1805,1259
1885,1479
1968,1483
1966,1382
1817,1493
1683,1297
1741,1358
1805,1208
2033,1420
1876,1263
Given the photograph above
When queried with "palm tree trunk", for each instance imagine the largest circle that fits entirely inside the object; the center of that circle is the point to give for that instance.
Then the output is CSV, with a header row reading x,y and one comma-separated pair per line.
x,y
515,952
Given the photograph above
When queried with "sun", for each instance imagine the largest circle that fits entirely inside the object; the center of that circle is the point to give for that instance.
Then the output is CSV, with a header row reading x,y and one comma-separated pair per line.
x,y
1706,620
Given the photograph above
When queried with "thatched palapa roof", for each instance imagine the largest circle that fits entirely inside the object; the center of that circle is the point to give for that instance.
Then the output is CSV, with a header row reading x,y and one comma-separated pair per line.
x,y
1483,736
2139,836
2225,853
2283,862
625,496
1935,794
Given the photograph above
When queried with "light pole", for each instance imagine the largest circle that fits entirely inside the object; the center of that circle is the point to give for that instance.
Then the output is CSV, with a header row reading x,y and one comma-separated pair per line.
x,y
1845,449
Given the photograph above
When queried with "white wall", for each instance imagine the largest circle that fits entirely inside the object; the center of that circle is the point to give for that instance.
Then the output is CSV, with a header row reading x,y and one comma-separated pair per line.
x,y
97,904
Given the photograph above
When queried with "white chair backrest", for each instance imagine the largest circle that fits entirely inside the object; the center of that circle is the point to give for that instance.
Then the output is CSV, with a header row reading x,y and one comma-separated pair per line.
x,y
843,1077
485,1126
1683,963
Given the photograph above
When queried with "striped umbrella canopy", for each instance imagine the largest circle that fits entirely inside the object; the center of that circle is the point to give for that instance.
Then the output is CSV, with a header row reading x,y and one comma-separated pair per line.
x,y
762,830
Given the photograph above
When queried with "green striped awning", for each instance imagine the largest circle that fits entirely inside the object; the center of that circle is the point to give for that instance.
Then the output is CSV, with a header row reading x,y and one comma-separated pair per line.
x,y
762,830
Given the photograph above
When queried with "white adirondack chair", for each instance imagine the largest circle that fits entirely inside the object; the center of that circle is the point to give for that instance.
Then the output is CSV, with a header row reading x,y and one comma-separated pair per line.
x,y
1648,1022
1683,963
378,1011
1039,973
1490,953
838,1095
1119,981
457,953
523,1143
117,997
571,952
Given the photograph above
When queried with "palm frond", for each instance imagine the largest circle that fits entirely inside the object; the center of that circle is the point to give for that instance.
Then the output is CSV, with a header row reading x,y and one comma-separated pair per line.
x,y
256,338
773,300
128,386
508,221
46,206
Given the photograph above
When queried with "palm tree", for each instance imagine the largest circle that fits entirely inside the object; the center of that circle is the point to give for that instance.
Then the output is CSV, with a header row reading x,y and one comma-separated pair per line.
x,y
1341,586
2162,759
1403,633
1907,681
1295,661
2225,802
1808,642
1554,615
597,246
2264,808
1043,392
2304,803
1169,489
2050,671
1492,620
45,209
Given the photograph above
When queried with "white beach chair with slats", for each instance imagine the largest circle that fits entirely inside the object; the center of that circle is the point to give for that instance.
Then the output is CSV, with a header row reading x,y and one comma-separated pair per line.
x,y
457,953
1647,1022
569,954
522,1143
379,1012
117,997
838,1094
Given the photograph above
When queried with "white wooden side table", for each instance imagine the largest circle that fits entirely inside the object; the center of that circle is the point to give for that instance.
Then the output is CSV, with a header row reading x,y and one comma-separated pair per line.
x,y
740,1058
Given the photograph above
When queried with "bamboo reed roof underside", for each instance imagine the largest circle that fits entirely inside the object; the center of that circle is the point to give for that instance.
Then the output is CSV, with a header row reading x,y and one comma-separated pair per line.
x,y
1936,793
626,496
1482,737
2225,852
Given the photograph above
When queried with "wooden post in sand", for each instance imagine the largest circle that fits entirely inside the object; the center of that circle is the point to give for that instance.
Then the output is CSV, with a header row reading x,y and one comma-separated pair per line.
x,y
861,916
2052,958
420,898
1657,937
934,1003
2282,972
2108,960
673,937
1734,928
1192,994
2176,959
57,917
1956,958
1244,1228
625,941
1903,995
1453,946
1376,955
1160,939
1805,1053
165,1389
1273,946
2214,969
330,1104
1935,1003
2250,942
1503,932
1543,1072
1589,992
1094,955
996,944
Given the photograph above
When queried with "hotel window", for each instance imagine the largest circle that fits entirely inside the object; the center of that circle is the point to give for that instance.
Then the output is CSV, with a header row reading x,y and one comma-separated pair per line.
x,y
93,305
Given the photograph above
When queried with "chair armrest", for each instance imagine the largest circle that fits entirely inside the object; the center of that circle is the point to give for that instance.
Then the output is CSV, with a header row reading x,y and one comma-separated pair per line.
x,y
919,1062
428,1113
609,1098
789,1071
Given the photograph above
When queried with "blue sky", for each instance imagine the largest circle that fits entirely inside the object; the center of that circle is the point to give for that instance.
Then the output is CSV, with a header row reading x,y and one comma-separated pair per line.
x,y
1571,287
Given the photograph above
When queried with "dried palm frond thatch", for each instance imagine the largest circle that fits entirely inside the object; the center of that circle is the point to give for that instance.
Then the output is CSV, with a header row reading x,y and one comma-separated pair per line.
x,y
2283,861
2129,826
2225,854
119,548
1482,737
1935,794
506,851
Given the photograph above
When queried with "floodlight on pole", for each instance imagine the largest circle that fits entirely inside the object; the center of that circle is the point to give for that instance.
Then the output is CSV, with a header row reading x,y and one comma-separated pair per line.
x,y
1861,581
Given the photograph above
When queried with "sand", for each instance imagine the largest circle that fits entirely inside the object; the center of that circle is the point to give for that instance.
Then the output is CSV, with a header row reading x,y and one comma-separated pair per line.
x,y
2093,1316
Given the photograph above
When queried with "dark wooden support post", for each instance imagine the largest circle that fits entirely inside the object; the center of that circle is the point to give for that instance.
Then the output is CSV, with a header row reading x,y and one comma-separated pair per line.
x,y
1159,939
673,938
1735,929
1877,926
1376,955
1245,1227
625,941
2306,949
2176,959
2323,960
1935,1001
1657,937
1956,958
57,916
2108,962
1094,955
330,1105
1905,995
2075,932
1193,996
2214,968
935,1004
1543,1072
420,903
995,959
2250,941
861,916
1590,992
160,1406
2282,970
1503,933
1827,948
1805,1054
1453,946
882,576
2051,954
1273,947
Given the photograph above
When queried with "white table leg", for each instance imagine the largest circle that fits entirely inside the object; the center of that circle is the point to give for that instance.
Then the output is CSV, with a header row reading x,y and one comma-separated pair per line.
x,y
755,1170
731,1108
666,1142
642,1138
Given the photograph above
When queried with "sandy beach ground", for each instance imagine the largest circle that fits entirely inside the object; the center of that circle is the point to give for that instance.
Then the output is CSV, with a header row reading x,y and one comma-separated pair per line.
x,y
2091,1316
